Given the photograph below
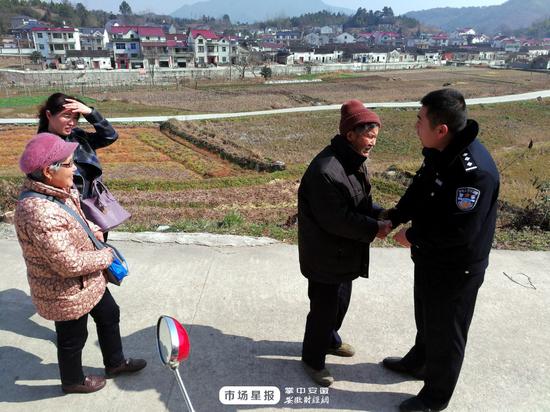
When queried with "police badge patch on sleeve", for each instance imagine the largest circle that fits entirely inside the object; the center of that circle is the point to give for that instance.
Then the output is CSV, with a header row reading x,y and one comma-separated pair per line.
x,y
466,198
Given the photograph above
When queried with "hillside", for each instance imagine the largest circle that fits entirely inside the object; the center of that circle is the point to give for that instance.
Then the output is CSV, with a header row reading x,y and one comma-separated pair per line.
x,y
513,14
253,10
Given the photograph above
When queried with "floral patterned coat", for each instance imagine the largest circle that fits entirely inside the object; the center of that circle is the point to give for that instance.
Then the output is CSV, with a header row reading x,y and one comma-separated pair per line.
x,y
64,269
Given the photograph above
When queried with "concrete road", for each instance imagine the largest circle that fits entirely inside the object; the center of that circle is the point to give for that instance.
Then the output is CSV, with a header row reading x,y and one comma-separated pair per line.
x,y
210,116
245,307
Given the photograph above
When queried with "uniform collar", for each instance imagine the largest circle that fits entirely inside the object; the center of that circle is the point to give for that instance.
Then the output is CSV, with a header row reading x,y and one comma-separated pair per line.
x,y
350,159
458,143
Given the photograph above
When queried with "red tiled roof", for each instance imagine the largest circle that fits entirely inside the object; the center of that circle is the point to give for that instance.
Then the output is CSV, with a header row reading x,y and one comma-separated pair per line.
x,y
140,30
207,34
123,29
150,31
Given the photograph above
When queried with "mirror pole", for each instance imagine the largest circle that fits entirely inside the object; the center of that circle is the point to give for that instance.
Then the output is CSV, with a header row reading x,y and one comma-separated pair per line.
x,y
183,390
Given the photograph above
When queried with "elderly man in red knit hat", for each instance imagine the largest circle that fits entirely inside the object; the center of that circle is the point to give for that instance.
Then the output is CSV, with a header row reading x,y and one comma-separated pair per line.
x,y
337,221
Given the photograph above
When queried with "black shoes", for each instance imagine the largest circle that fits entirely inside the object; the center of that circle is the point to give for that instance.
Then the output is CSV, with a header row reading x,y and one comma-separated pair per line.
x,y
396,365
415,404
128,366
92,383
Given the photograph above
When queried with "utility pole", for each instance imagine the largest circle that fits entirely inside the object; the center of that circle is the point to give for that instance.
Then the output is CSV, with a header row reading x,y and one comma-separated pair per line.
x,y
19,49
230,62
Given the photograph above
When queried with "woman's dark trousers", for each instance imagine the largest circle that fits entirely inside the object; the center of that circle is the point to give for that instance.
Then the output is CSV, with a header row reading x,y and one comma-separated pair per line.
x,y
329,303
72,335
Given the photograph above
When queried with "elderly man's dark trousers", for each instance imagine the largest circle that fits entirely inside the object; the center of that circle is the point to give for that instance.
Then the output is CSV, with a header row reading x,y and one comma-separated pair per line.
x,y
72,335
444,304
329,303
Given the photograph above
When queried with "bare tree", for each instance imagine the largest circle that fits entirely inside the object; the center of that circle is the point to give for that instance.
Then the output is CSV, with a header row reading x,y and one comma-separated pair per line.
x,y
248,61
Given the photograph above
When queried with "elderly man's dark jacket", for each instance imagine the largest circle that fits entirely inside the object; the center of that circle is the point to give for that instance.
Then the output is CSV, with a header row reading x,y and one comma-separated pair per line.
x,y
336,215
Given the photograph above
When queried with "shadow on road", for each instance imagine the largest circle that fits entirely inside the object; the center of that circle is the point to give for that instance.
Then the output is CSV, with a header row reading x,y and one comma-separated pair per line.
x,y
217,360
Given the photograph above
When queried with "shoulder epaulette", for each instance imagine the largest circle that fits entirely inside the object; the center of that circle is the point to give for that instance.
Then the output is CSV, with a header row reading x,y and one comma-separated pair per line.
x,y
467,161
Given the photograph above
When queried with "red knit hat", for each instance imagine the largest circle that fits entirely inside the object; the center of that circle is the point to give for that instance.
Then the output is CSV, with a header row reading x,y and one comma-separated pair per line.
x,y
43,150
353,113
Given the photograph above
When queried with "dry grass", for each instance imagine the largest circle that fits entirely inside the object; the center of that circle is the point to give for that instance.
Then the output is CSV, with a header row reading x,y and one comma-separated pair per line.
x,y
162,181
372,87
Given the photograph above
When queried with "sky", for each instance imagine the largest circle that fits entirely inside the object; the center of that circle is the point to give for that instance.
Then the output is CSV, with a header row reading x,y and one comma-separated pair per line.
x,y
403,6
398,6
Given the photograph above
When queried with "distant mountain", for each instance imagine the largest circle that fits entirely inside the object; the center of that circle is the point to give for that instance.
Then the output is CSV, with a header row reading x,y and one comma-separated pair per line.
x,y
513,14
254,10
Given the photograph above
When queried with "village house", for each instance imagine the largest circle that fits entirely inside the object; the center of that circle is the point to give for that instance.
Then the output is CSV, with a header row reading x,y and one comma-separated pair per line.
x,y
313,39
88,59
93,38
386,38
511,45
344,38
126,46
462,37
422,43
439,40
365,37
21,30
154,47
303,55
480,39
430,57
212,49
54,42
178,51
286,35
326,30
535,51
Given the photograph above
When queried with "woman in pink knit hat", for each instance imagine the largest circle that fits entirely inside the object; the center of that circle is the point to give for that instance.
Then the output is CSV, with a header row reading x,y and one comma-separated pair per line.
x,y
64,269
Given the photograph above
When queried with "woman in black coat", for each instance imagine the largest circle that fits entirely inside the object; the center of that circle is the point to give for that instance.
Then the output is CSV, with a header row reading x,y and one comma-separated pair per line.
x,y
59,115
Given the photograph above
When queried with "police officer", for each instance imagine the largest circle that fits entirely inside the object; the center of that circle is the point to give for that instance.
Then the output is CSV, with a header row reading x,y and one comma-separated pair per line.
x,y
337,221
452,205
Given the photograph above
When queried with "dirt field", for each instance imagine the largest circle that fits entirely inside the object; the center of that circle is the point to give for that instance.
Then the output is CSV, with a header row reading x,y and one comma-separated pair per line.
x,y
141,153
163,182
372,87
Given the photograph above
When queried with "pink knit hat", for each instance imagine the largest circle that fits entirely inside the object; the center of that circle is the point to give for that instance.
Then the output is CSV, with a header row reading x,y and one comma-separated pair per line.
x,y
43,150
353,113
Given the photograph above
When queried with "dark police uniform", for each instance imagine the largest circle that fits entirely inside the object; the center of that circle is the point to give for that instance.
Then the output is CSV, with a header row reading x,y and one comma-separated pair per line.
x,y
452,205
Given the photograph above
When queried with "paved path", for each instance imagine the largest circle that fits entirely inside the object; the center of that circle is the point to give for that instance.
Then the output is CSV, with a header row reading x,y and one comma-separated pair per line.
x,y
244,308
480,100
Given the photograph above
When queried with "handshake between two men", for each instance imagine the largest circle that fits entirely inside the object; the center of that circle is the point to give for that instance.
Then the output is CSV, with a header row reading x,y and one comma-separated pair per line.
x,y
385,227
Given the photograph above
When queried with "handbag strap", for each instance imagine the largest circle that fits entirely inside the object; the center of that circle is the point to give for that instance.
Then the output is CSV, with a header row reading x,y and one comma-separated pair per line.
x,y
98,183
31,193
